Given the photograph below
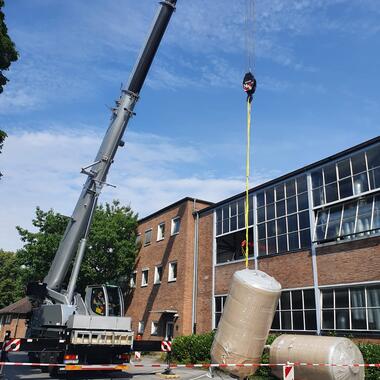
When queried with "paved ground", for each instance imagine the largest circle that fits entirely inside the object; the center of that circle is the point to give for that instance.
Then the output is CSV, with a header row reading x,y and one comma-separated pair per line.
x,y
146,373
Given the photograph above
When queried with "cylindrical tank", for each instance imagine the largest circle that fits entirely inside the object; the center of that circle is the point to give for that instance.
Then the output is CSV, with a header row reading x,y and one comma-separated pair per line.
x,y
246,320
317,349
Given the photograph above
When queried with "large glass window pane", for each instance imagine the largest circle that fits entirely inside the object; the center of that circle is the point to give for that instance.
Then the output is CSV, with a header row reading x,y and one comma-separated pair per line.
x,y
373,296
321,225
241,208
373,157
285,300
241,221
219,214
310,320
281,226
344,169
226,212
374,319
331,192
271,245
270,212
301,184
280,208
342,319
304,221
345,188
376,213
364,215
269,196
358,319
282,243
271,228
327,319
286,322
330,173
317,179
290,188
305,238
303,202
341,298
260,214
297,299
226,225
360,183
358,163
218,304
291,205
298,320
327,299
318,196
261,231
334,222
357,297
309,299
262,247
293,241
276,321
233,223
260,199
280,193
219,228
374,178
348,222
292,223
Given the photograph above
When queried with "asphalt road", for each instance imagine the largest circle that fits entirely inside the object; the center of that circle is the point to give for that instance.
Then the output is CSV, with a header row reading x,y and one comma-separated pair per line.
x,y
146,373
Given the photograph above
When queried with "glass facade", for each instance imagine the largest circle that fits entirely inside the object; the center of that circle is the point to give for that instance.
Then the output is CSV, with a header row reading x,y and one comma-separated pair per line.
x,y
344,200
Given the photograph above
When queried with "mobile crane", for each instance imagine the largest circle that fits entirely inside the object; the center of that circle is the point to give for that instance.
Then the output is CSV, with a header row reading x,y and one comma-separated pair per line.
x,y
63,327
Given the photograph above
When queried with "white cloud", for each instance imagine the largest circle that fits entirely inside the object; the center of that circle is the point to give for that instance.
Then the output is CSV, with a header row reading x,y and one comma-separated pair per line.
x,y
42,169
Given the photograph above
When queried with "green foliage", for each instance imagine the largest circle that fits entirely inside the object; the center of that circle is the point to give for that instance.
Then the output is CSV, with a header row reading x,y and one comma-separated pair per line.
x,y
8,52
110,253
371,355
10,286
193,348
3,136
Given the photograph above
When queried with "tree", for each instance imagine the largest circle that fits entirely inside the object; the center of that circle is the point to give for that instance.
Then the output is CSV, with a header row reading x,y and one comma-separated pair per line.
x,y
11,288
8,52
110,253
3,135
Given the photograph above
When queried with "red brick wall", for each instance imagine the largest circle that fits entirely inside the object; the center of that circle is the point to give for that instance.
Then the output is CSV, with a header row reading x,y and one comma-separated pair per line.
x,y
349,262
167,295
204,296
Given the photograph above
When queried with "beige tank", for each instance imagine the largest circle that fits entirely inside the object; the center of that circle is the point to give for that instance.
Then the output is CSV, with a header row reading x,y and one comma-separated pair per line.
x,y
317,349
246,320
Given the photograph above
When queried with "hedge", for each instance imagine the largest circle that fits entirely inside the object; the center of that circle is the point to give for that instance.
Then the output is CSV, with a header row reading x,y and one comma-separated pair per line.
x,y
196,349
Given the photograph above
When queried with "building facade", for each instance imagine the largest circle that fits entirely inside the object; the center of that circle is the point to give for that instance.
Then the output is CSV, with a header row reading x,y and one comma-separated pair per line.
x,y
317,231
162,286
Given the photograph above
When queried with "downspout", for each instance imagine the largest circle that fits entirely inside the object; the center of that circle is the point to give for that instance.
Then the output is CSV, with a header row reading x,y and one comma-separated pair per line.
x,y
195,270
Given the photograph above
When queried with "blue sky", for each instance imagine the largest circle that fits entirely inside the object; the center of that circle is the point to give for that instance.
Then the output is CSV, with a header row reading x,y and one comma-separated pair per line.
x,y
317,69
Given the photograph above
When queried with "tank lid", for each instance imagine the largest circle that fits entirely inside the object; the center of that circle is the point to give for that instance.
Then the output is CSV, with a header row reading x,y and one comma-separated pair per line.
x,y
258,279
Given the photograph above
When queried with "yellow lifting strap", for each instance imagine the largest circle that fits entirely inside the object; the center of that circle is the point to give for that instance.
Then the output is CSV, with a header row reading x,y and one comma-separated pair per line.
x,y
247,173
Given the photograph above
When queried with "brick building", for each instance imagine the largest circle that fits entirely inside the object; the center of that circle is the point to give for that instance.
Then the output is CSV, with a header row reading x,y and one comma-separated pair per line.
x,y
161,298
317,231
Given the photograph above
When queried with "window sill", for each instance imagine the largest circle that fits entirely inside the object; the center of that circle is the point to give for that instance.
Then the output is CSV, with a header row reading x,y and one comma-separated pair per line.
x,y
160,239
144,286
157,283
172,280
174,234
146,244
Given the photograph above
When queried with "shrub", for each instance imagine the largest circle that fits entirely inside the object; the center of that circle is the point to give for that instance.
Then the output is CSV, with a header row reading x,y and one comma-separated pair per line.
x,y
371,355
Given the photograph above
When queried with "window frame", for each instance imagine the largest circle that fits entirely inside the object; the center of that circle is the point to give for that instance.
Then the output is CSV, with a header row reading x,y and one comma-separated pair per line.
x,y
173,221
161,232
143,282
154,328
133,280
157,281
171,277
146,243
141,328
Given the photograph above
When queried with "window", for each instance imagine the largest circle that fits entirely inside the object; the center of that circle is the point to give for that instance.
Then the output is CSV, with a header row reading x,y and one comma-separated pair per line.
x,y
157,274
154,328
144,277
219,307
176,223
349,220
148,237
296,311
8,319
98,301
351,176
132,281
138,240
283,217
172,272
141,327
161,231
230,217
351,308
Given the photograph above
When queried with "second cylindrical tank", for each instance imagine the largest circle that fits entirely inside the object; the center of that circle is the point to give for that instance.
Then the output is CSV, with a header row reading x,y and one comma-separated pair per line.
x,y
246,320
318,350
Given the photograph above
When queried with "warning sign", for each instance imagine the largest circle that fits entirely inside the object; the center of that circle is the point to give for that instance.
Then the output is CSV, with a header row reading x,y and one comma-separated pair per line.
x,y
288,371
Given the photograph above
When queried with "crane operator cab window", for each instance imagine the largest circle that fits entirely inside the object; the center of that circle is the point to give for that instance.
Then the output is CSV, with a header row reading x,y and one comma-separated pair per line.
x,y
114,301
98,301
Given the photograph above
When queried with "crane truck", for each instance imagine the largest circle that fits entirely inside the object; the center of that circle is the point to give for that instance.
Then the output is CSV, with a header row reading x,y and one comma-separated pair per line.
x,y
65,328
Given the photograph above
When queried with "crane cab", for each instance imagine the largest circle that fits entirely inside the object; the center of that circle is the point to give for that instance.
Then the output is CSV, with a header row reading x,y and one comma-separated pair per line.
x,y
104,300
